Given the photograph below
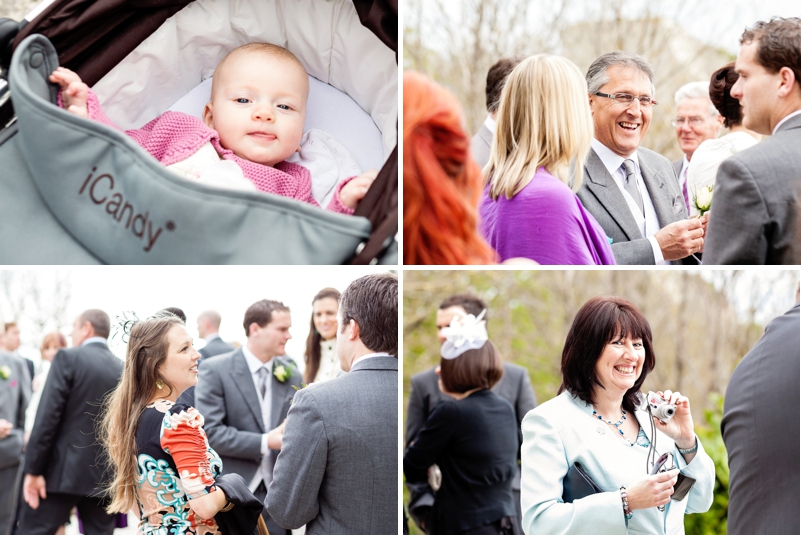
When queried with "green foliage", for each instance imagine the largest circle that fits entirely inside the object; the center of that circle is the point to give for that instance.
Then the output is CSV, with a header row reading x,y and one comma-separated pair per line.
x,y
713,522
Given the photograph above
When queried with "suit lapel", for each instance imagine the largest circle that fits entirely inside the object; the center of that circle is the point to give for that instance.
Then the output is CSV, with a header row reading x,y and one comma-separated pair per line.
x,y
244,382
661,196
603,186
278,394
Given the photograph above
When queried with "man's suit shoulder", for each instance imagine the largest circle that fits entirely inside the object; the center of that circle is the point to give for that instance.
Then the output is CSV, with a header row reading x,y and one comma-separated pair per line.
x,y
221,362
655,159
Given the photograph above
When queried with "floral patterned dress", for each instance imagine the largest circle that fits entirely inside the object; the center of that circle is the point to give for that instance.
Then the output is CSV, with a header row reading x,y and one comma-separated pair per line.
x,y
175,464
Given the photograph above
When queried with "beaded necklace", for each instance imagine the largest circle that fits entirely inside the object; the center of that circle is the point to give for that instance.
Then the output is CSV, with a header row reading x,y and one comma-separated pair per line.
x,y
615,424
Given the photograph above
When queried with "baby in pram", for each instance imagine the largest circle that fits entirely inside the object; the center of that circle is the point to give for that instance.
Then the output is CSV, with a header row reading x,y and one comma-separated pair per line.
x,y
253,122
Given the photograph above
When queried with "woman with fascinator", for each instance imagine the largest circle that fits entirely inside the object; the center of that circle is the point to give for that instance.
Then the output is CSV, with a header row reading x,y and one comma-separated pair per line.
x,y
601,457
472,439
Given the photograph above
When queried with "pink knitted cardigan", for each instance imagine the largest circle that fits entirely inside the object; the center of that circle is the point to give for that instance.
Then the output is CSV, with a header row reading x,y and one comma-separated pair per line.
x,y
174,136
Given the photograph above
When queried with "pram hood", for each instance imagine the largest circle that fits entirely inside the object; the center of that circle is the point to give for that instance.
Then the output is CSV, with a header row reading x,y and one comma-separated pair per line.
x,y
121,206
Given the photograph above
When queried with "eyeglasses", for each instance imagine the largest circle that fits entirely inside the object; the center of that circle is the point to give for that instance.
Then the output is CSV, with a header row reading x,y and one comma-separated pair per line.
x,y
625,98
692,121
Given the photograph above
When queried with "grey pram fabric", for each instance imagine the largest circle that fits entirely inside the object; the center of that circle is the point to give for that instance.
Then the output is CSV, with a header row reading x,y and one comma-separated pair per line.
x,y
100,198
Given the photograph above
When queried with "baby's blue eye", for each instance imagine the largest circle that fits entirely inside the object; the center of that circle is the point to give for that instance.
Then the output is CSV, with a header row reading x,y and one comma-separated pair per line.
x,y
243,100
284,107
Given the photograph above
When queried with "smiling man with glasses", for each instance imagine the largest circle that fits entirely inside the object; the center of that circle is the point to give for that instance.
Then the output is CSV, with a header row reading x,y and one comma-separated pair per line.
x,y
696,120
632,191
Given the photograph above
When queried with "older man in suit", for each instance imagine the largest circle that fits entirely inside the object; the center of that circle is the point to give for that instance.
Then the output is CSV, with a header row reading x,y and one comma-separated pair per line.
x,y
15,393
244,397
632,191
761,432
696,120
496,76
208,327
338,468
514,386
754,208
64,461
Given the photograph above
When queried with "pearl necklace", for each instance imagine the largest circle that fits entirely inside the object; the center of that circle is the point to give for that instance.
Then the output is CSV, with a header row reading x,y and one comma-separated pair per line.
x,y
615,424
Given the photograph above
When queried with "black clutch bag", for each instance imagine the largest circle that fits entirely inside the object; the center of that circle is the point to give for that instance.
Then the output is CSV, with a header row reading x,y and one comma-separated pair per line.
x,y
577,484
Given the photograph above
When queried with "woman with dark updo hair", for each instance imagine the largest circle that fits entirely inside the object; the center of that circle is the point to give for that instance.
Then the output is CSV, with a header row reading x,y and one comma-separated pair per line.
x,y
711,153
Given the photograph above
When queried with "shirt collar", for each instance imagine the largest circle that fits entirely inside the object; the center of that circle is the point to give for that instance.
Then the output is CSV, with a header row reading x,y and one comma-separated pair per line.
x,y
786,118
491,124
211,337
253,362
369,356
611,160
95,340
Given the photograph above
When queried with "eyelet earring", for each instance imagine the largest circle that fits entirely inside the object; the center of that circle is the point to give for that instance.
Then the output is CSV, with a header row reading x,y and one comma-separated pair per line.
x,y
159,384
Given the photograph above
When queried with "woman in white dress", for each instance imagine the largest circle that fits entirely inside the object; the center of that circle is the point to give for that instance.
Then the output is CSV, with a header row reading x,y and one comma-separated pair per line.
x,y
322,363
50,345
711,153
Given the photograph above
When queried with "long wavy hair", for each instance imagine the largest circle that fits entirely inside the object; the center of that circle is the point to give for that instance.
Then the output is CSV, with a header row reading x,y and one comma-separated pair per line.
x,y
313,352
147,350
544,120
441,182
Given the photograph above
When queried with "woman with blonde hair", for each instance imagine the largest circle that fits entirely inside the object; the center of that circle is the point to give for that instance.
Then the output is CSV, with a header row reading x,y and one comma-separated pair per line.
x,y
160,457
441,182
544,132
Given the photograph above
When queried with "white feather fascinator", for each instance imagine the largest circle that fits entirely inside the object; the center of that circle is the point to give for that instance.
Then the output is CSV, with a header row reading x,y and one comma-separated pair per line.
x,y
464,333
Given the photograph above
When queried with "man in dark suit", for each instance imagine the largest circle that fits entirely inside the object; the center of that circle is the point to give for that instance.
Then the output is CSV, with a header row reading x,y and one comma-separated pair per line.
x,y
761,431
631,191
496,76
64,463
244,397
338,467
15,393
753,214
514,386
208,327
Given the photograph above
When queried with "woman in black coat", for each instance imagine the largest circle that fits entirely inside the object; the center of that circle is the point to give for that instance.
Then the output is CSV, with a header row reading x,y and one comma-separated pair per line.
x,y
473,440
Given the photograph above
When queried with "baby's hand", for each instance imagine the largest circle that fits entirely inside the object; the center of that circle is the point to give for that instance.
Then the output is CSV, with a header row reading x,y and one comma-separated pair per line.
x,y
355,190
73,91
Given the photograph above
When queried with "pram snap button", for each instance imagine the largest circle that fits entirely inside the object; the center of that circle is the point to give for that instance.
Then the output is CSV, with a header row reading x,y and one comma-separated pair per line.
x,y
37,58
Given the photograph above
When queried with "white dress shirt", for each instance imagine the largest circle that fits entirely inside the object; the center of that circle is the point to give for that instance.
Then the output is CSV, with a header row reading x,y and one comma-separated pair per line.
x,y
368,356
95,340
265,471
491,124
648,223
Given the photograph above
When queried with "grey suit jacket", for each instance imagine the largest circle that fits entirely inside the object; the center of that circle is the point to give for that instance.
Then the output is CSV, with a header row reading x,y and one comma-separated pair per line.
x,y
761,432
602,197
338,467
15,393
226,397
752,220
215,347
677,166
480,145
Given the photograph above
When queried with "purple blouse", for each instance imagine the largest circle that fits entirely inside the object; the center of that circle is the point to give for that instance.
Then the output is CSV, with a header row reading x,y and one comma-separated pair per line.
x,y
545,222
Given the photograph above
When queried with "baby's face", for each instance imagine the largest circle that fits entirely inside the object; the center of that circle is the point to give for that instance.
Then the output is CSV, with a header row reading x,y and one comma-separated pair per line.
x,y
259,107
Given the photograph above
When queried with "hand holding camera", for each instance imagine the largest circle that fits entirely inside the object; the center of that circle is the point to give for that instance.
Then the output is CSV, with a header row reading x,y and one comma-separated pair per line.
x,y
652,490
672,416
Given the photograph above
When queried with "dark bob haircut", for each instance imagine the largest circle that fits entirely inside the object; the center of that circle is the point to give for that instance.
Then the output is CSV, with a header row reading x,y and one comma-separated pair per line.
x,y
475,368
720,86
597,323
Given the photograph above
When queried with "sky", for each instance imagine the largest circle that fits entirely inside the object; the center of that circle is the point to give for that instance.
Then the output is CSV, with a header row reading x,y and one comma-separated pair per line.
x,y
229,290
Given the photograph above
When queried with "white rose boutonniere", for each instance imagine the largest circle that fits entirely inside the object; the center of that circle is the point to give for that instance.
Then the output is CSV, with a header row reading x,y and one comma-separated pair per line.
x,y
281,373
5,372
703,199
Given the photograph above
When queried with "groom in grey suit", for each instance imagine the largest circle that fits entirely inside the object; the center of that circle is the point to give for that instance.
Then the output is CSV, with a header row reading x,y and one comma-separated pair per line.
x,y
338,467
753,216
631,191
244,397
15,393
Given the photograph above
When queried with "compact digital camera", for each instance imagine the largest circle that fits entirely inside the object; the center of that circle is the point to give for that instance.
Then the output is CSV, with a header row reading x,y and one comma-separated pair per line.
x,y
660,408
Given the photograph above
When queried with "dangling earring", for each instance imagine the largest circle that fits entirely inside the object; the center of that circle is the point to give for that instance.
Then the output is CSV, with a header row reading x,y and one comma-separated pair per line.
x,y
159,384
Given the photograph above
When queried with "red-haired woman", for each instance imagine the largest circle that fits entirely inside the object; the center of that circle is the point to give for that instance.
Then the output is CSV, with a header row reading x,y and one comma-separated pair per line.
x,y
441,182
